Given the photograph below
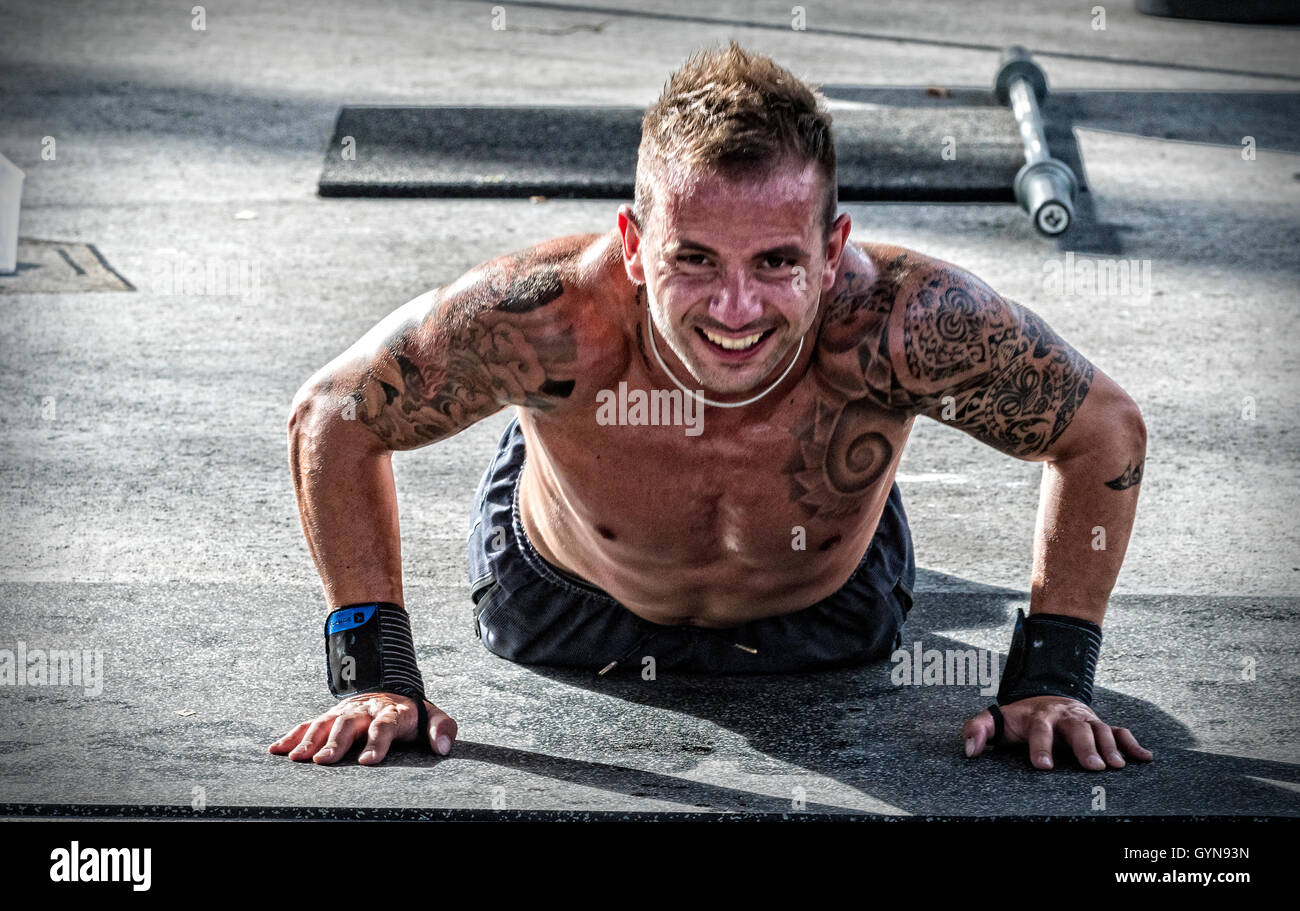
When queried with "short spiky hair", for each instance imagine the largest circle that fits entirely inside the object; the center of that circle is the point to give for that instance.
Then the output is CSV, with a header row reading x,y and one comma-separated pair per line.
x,y
739,113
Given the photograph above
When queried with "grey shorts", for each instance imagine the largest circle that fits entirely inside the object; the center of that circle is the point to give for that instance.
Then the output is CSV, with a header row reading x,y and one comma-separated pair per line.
x,y
530,611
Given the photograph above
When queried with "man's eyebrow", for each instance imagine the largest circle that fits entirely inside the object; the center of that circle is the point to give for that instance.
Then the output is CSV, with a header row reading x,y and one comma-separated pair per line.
x,y
789,251
685,243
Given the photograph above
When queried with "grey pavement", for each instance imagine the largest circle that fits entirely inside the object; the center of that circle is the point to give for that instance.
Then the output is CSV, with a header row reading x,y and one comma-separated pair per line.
x,y
143,471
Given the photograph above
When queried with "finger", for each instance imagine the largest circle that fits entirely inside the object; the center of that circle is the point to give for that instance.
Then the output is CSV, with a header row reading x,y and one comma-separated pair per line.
x,y
1040,738
345,730
442,730
1079,735
1128,743
1106,744
380,736
313,738
977,732
286,743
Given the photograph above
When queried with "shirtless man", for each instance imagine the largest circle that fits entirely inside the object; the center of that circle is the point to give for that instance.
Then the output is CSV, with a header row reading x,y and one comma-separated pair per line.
x,y
757,527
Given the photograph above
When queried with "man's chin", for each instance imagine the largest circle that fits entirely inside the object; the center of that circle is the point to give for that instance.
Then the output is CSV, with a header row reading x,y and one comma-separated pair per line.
x,y
732,379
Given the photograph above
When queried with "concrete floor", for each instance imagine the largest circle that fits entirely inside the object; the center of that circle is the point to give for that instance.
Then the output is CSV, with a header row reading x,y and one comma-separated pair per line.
x,y
151,515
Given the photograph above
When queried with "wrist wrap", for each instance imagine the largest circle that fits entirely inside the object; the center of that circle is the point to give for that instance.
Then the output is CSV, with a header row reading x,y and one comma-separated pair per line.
x,y
368,649
1051,655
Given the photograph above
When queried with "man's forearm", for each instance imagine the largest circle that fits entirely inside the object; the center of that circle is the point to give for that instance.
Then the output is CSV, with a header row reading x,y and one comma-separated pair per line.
x,y
1085,516
347,501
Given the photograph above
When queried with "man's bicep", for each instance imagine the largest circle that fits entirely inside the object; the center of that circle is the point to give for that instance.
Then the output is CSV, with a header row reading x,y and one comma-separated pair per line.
x,y
965,356
456,355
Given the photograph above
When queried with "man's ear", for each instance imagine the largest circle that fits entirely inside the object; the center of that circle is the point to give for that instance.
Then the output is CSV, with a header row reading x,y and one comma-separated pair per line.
x,y
837,240
631,233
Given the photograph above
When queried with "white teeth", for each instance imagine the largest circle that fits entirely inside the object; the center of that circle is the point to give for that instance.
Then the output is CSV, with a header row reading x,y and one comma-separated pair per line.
x,y
732,344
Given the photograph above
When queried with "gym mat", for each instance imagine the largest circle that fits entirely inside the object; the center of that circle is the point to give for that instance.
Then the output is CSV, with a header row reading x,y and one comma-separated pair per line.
x,y
960,146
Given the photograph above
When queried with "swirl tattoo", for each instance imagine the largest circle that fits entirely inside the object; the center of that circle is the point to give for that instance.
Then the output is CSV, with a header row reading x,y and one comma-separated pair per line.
x,y
949,348
841,455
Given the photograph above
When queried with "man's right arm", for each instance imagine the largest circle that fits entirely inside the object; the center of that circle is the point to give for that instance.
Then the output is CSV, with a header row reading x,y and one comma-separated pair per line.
x,y
501,335
504,334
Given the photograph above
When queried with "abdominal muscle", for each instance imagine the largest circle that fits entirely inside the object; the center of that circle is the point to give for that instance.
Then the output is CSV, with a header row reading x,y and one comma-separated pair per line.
x,y
678,534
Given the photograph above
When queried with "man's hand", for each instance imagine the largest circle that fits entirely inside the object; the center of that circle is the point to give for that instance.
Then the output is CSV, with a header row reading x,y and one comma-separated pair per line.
x,y
1039,720
381,717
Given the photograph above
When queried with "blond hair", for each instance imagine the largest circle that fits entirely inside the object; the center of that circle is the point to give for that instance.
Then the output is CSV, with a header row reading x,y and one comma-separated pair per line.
x,y
739,114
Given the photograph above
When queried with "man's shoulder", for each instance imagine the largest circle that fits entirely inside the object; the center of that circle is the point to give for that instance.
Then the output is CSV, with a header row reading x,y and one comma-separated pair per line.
x,y
577,277
568,297
892,312
867,288
585,263
907,289
574,277
895,270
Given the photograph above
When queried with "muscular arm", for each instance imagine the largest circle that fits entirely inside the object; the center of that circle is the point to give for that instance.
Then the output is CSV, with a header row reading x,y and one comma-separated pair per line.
x,y
447,359
965,356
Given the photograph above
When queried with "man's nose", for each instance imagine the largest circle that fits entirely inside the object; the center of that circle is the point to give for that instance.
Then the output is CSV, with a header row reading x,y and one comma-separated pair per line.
x,y
736,304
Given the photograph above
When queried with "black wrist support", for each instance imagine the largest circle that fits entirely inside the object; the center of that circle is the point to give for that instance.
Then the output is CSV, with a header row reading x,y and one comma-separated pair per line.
x,y
1051,655
368,649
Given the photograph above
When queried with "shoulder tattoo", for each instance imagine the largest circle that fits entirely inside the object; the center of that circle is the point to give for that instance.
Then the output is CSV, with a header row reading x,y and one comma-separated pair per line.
x,y
483,348
988,366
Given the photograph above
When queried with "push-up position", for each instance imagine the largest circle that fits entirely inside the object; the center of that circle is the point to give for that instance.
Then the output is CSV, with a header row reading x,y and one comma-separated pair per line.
x,y
710,406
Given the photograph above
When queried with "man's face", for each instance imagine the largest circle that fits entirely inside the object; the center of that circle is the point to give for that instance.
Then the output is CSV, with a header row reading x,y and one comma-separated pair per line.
x,y
734,270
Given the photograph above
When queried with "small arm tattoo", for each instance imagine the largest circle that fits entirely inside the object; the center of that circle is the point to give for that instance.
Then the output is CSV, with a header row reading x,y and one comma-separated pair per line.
x,y
1131,477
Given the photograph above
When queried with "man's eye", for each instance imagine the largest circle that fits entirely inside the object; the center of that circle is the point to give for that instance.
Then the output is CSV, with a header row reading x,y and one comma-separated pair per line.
x,y
692,259
778,262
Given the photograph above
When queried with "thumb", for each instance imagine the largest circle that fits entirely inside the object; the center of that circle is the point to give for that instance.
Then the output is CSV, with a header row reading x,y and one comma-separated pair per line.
x,y
977,732
442,729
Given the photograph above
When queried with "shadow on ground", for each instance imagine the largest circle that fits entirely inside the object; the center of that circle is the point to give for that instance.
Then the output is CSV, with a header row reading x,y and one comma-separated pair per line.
x,y
899,745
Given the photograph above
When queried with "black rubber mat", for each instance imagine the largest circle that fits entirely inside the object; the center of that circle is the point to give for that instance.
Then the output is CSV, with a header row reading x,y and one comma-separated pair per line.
x,y
896,144
891,142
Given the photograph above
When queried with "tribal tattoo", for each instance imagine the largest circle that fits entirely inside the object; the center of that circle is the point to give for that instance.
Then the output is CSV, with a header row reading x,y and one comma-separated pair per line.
x,y
931,340
987,366
480,349
840,453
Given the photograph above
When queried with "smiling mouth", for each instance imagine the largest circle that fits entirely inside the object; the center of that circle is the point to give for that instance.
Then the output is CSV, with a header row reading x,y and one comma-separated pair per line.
x,y
734,345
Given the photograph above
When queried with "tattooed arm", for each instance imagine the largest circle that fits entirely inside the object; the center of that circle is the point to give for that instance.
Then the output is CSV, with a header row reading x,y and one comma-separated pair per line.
x,y
501,335
967,357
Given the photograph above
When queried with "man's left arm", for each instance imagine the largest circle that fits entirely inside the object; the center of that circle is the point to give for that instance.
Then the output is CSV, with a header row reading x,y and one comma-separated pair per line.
x,y
965,356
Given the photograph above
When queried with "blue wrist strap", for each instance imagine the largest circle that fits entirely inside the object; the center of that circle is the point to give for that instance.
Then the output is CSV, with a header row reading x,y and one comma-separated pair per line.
x,y
369,649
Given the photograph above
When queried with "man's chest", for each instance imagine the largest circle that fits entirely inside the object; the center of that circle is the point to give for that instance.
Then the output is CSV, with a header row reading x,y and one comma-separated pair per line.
x,y
807,472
